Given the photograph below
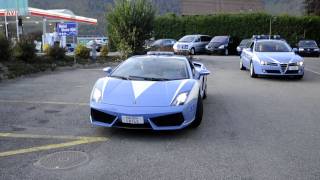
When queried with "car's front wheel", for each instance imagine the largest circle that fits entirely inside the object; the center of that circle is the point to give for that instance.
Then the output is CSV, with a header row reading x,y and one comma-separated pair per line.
x,y
241,65
193,51
226,52
252,72
199,113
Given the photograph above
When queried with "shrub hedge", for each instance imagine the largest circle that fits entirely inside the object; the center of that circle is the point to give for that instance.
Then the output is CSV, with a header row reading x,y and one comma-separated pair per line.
x,y
5,49
240,26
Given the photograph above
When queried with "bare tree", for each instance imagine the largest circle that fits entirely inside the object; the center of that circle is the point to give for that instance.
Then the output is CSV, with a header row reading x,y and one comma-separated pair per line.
x,y
312,7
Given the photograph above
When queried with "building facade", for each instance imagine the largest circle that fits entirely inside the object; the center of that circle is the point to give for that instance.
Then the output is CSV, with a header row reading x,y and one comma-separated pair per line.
x,y
203,7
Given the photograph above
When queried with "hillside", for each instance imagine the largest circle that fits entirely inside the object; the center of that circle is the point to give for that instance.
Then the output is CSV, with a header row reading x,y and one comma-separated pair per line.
x,y
98,8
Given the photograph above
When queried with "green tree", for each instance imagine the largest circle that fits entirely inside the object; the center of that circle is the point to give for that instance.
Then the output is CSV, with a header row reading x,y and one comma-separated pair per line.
x,y
129,24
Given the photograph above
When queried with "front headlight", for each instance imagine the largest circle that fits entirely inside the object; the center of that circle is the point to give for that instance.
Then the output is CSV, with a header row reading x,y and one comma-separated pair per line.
x,y
316,49
185,47
180,99
221,47
300,63
263,62
96,95
301,49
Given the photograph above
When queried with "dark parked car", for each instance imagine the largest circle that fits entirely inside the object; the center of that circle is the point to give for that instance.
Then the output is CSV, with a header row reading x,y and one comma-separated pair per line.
x,y
243,44
308,48
222,45
162,45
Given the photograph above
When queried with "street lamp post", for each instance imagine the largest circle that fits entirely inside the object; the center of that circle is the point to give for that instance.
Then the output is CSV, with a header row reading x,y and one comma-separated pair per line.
x,y
272,19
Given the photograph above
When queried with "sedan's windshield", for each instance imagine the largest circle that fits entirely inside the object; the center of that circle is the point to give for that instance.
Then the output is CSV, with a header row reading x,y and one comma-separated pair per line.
x,y
152,69
307,44
244,42
219,39
187,39
272,46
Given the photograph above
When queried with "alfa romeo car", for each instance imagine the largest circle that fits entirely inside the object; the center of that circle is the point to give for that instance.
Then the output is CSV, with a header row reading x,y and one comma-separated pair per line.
x,y
271,57
158,91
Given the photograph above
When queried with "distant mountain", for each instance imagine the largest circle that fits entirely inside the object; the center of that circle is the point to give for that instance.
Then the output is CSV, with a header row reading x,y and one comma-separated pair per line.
x,y
290,7
98,8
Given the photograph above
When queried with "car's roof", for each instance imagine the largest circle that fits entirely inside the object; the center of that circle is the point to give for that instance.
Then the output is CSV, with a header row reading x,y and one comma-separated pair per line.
x,y
270,40
305,40
160,57
196,35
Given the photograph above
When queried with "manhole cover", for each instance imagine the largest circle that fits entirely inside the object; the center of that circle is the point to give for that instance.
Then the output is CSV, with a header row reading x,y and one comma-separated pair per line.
x,y
63,160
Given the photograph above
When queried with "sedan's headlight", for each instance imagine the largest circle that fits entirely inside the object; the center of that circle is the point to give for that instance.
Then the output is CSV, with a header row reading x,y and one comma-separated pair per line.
x,y
184,46
301,49
300,63
263,62
180,99
221,47
96,95
316,49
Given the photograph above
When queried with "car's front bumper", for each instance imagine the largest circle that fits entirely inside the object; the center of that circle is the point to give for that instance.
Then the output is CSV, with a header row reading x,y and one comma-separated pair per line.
x,y
182,51
156,118
279,70
215,50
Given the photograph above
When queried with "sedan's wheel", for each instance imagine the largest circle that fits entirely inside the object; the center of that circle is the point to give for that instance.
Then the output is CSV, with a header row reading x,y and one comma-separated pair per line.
x,y
196,123
241,65
192,51
226,52
252,73
205,94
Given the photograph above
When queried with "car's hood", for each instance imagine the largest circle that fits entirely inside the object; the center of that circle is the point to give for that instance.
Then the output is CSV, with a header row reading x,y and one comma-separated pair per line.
x,y
143,93
216,44
278,57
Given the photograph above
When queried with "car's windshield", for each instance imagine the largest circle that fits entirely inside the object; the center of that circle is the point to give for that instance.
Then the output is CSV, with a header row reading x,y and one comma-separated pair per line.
x,y
154,69
272,46
244,42
157,43
187,39
219,39
307,44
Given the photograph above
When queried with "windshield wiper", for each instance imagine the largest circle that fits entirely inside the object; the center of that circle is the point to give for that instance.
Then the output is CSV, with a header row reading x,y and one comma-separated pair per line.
x,y
121,77
149,78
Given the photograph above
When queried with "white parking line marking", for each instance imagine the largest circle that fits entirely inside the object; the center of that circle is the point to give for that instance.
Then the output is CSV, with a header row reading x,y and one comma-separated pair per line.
x,y
43,102
318,73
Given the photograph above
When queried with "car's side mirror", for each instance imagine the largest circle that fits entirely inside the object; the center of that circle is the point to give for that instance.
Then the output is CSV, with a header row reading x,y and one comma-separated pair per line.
x,y
295,50
202,72
107,70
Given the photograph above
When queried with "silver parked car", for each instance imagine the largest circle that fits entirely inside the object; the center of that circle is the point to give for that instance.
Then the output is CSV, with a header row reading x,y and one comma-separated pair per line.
x,y
191,44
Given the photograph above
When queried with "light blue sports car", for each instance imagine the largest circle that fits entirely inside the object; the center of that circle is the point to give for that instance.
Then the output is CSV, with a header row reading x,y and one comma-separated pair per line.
x,y
159,91
271,57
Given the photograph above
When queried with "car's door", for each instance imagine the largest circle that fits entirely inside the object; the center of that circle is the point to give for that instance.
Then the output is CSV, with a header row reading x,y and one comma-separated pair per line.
x,y
247,54
197,44
204,41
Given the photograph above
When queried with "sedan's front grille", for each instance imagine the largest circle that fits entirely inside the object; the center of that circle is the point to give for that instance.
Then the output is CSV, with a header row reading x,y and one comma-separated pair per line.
x,y
283,67
292,72
168,120
99,116
273,71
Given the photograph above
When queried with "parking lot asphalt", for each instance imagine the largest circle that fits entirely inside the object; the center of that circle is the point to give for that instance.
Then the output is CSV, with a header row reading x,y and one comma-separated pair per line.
x,y
264,128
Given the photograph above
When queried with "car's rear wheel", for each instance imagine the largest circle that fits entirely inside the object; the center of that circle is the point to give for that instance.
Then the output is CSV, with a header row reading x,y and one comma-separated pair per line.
x,y
199,113
241,65
252,72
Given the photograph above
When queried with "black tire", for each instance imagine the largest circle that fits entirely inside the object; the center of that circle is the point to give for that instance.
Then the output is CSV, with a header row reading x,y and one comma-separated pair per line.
x,y
226,52
193,51
205,94
196,123
241,66
252,73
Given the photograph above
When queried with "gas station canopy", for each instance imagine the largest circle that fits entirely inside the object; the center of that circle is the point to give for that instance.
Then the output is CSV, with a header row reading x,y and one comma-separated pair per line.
x,y
58,15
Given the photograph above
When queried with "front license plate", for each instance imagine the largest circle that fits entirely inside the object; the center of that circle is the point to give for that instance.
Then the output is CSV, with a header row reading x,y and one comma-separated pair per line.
x,y
293,68
132,119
